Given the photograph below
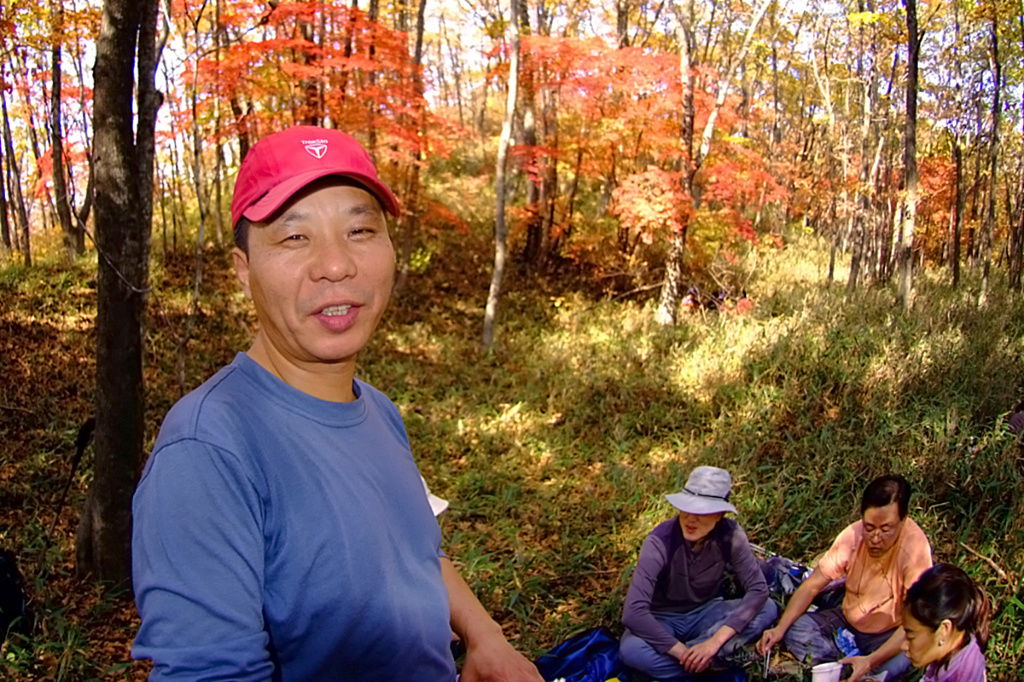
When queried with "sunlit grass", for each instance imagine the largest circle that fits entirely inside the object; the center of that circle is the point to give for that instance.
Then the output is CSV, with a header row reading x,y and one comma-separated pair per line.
x,y
589,413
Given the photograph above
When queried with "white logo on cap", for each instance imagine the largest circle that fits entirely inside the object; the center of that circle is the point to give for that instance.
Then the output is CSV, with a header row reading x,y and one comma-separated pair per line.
x,y
316,148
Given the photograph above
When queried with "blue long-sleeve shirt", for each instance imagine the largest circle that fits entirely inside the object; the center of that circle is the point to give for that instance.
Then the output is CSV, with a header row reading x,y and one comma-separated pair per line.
x,y
281,537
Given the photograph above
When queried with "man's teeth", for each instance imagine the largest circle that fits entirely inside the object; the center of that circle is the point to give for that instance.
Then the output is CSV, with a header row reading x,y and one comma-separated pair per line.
x,y
336,310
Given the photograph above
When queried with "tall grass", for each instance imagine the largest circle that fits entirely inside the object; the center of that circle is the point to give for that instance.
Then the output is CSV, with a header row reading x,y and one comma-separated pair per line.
x,y
556,451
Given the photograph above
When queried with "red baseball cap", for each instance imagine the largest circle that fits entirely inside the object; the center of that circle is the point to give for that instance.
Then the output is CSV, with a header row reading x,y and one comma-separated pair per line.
x,y
281,164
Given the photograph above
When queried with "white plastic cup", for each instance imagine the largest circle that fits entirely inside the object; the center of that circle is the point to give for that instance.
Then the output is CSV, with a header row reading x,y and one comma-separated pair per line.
x,y
827,672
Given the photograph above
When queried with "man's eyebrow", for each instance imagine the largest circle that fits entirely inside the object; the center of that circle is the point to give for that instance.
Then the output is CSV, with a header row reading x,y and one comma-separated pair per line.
x,y
366,208
292,215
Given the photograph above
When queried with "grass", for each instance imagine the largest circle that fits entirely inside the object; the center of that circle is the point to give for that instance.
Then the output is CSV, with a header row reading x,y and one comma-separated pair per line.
x,y
556,449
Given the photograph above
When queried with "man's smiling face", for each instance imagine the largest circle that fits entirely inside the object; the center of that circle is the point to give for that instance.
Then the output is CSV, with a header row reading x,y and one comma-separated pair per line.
x,y
319,273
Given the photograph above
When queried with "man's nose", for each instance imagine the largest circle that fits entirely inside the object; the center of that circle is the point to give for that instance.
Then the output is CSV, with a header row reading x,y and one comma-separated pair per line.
x,y
334,260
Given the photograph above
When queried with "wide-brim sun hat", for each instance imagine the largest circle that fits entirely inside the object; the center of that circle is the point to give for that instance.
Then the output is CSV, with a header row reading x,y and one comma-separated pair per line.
x,y
706,492
281,164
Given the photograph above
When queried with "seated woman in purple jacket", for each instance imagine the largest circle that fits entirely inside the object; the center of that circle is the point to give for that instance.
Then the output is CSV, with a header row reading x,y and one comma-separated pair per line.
x,y
946,617
677,622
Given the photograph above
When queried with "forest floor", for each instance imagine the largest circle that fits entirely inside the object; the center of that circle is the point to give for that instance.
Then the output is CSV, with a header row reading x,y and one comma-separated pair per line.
x,y
556,448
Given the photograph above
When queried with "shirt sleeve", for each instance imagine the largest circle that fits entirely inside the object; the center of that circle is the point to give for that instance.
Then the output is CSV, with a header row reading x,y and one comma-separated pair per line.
x,y
750,576
636,613
198,567
836,562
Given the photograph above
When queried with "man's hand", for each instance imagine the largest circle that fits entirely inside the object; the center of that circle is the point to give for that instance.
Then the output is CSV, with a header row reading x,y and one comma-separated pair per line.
x,y
861,666
494,660
698,656
769,638
489,656
796,607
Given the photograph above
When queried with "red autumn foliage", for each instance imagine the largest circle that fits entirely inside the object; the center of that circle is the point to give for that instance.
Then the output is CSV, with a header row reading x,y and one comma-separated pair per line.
x,y
651,203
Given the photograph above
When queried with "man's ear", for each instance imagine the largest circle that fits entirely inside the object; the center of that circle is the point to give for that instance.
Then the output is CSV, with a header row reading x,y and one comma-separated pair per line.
x,y
241,260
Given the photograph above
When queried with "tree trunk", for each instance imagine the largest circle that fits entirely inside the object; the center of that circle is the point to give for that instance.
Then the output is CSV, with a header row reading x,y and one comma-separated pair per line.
x,y
181,353
885,242
82,216
958,210
197,156
622,22
74,238
455,67
1017,219
180,221
566,232
671,289
13,180
241,125
988,234
411,214
5,225
549,178
161,192
312,104
861,217
906,262
1015,212
973,191
956,149
500,231
824,83
373,108
673,285
218,162
123,213
27,114
528,95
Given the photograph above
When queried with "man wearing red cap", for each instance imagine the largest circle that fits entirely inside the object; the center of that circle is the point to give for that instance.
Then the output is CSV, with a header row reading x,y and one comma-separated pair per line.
x,y
281,529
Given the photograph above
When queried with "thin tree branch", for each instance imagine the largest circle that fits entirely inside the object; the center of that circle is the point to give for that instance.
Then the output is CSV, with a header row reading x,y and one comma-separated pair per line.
x,y
1002,574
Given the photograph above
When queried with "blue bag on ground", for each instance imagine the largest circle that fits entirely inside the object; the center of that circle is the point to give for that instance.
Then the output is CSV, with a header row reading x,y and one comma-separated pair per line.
x,y
589,656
